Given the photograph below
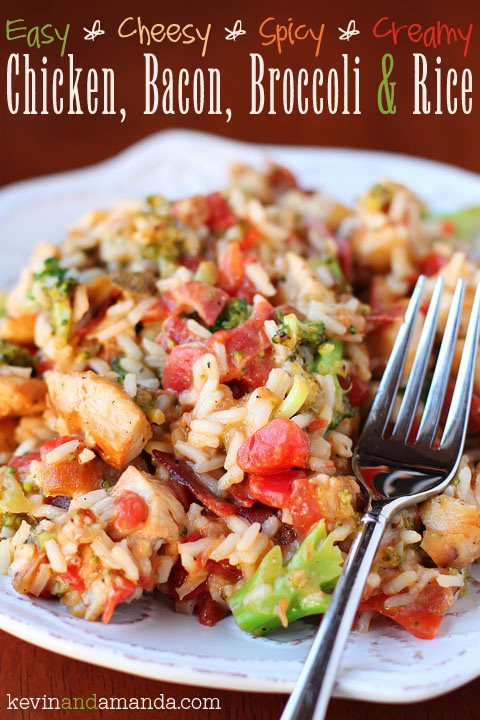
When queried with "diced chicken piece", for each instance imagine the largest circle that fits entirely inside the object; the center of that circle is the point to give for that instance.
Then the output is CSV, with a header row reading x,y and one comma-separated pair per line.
x,y
452,534
373,248
166,515
16,300
20,329
381,340
457,356
97,408
21,396
7,435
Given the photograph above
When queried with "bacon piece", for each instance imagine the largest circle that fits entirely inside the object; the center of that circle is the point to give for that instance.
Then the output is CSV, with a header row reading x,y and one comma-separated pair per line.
x,y
181,472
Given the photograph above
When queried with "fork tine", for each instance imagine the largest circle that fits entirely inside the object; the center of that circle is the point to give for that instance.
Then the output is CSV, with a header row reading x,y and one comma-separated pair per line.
x,y
387,390
414,387
435,398
458,415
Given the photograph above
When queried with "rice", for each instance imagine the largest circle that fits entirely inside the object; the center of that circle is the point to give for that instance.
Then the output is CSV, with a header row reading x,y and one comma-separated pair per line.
x,y
5,556
60,453
55,556
86,456
87,500
399,583
129,346
123,557
101,367
199,395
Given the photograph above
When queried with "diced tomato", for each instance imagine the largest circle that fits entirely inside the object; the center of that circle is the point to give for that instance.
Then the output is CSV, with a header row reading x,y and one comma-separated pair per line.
x,y
131,510
231,268
280,445
448,227
220,216
317,424
432,263
41,366
421,618
72,578
248,349
474,417
22,463
232,276
345,256
274,490
209,611
251,237
56,442
206,300
305,504
155,313
174,332
178,371
121,592
147,582
358,392
290,490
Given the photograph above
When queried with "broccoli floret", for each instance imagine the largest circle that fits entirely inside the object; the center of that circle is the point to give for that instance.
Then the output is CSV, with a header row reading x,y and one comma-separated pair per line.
x,y
53,270
233,314
293,332
56,283
11,354
279,594
334,266
328,361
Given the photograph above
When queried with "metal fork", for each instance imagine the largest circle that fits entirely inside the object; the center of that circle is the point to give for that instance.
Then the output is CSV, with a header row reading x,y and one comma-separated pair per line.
x,y
395,472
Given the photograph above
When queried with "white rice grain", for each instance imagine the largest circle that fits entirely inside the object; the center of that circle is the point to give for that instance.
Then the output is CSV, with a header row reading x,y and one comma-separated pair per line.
x,y
99,366
61,452
55,556
5,556
129,346
450,580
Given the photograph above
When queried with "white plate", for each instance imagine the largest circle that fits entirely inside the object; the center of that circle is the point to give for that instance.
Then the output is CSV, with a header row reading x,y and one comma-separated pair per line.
x,y
147,638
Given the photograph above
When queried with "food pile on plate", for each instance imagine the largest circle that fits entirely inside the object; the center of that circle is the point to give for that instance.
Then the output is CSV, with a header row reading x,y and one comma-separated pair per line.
x,y
181,386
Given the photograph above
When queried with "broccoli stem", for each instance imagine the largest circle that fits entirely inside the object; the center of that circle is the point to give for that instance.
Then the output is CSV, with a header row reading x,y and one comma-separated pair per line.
x,y
278,594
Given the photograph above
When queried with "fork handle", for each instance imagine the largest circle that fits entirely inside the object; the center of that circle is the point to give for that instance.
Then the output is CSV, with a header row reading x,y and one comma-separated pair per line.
x,y
311,694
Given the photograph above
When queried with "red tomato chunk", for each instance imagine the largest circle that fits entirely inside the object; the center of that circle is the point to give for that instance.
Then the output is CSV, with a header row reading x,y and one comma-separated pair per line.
x,y
131,510
206,300
220,216
248,349
280,445
122,592
178,371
